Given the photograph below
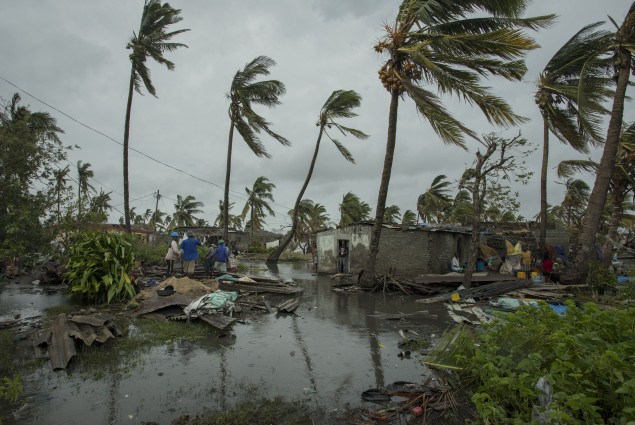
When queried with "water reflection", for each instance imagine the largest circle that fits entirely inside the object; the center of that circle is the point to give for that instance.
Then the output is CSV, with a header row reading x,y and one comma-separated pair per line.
x,y
328,353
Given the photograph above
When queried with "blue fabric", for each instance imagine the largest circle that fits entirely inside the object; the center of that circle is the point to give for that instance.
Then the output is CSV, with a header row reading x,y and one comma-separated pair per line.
x,y
221,254
189,248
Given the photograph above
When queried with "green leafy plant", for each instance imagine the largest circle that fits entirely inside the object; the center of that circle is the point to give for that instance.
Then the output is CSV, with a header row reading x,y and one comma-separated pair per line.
x,y
99,267
600,278
587,357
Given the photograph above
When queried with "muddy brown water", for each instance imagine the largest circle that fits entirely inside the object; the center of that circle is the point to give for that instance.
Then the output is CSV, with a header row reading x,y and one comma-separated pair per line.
x,y
326,355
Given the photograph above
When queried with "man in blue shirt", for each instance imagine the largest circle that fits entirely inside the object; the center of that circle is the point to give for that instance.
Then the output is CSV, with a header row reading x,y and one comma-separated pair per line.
x,y
221,256
190,253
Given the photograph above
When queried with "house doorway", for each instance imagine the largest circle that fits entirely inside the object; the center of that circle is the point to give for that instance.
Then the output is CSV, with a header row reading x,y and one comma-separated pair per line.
x,y
342,256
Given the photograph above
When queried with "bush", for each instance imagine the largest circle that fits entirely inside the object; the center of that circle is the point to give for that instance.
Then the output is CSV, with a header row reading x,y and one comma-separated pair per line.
x,y
148,253
600,278
99,267
586,356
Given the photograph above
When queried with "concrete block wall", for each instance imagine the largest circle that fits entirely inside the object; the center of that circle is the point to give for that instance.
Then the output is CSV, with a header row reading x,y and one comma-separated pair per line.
x,y
407,251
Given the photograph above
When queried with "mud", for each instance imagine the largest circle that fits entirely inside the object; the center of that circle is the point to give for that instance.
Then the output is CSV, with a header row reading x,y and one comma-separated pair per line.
x,y
336,346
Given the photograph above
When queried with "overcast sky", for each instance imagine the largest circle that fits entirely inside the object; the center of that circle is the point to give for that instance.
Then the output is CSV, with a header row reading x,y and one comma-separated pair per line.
x,y
71,55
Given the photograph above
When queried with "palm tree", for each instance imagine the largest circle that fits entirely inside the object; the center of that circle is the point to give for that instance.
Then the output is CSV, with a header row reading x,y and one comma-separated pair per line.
x,y
311,218
391,215
83,174
462,208
434,201
235,221
353,210
449,45
571,89
340,104
185,210
622,182
257,204
60,178
245,92
623,65
101,203
151,41
409,218
574,203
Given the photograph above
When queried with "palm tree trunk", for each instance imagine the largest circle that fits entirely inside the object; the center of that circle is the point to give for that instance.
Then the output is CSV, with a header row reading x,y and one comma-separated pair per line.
x,y
275,255
227,175
126,138
368,279
543,186
79,199
578,272
619,194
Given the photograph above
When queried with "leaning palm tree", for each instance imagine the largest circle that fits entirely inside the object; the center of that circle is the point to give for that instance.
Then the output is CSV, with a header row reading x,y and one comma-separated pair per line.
x,y
571,90
185,210
83,174
391,215
151,41
449,45
409,218
434,200
244,93
353,210
621,48
340,104
257,205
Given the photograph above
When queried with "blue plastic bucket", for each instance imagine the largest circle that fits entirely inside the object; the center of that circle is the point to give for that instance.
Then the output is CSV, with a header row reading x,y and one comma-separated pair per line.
x,y
480,266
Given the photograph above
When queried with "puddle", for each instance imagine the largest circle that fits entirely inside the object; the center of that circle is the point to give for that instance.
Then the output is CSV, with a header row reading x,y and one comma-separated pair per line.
x,y
327,355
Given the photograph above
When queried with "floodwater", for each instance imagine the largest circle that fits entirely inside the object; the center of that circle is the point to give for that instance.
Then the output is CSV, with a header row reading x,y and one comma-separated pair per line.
x,y
326,355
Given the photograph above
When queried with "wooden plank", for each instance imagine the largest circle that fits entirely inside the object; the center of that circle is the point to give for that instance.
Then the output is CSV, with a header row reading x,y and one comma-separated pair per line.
x,y
251,287
458,278
217,320
268,306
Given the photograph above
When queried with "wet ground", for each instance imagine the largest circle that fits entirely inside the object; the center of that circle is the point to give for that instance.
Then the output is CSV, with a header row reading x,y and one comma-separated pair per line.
x,y
332,350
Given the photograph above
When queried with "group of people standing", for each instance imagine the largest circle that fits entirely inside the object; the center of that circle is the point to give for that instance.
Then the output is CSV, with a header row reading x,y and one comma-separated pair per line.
x,y
187,252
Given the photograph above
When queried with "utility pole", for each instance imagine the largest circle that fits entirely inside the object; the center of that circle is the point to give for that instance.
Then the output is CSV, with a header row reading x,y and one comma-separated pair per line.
x,y
154,217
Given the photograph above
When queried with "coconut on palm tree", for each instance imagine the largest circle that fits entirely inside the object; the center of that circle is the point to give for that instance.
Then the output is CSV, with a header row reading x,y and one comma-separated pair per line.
x,y
571,90
340,104
151,41
245,92
449,45
257,205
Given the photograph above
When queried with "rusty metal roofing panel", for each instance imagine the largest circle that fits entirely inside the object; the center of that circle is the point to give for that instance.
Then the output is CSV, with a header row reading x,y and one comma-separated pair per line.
x,y
157,303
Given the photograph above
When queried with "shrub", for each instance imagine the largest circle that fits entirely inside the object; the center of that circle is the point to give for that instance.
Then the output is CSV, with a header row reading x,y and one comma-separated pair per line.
x,y
99,267
586,356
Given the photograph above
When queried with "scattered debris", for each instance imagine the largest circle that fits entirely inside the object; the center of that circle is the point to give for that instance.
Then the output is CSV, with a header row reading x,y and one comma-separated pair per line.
x,y
288,306
60,338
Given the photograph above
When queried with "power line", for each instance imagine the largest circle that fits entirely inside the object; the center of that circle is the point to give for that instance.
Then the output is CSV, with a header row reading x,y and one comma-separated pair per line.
x,y
130,148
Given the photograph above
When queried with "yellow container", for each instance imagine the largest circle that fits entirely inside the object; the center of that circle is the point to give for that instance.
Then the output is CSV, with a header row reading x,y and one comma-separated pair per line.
x,y
521,275
455,297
